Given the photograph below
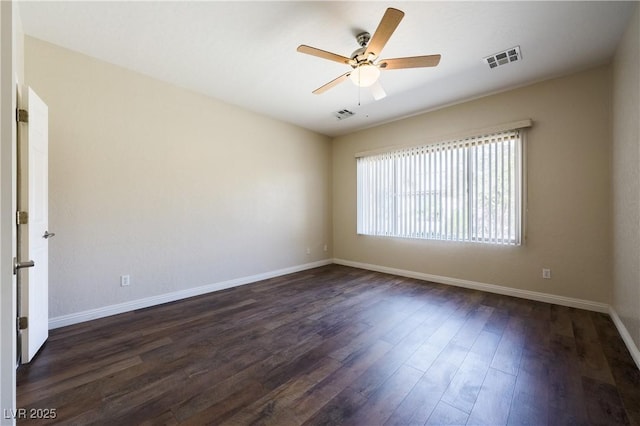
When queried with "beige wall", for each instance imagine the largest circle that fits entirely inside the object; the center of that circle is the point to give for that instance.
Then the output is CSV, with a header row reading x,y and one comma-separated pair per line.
x,y
174,188
626,179
568,221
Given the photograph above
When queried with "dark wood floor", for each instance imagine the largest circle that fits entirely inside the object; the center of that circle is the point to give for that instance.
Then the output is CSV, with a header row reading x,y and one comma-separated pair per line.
x,y
338,345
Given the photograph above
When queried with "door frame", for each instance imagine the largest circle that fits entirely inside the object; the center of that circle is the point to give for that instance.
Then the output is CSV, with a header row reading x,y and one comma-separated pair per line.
x,y
9,57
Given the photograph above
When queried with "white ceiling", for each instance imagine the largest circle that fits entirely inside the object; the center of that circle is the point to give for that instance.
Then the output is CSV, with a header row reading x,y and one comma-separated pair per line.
x,y
244,53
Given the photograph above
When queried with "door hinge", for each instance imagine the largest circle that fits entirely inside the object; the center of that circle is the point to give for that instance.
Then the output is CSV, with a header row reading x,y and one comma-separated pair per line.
x,y
23,323
22,218
22,116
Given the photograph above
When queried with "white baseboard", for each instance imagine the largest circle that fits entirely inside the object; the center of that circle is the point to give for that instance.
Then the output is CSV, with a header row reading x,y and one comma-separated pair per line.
x,y
106,311
524,294
120,308
491,288
626,337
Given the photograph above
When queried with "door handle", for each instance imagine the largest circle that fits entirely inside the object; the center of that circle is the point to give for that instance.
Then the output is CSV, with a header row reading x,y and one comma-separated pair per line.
x,y
19,265
48,235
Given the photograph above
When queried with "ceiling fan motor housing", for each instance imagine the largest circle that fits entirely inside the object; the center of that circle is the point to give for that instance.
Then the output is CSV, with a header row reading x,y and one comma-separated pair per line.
x,y
358,57
363,39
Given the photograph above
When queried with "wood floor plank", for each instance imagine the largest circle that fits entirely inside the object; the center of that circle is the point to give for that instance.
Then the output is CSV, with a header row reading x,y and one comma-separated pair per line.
x,y
567,403
466,384
444,414
498,321
472,326
41,376
604,405
453,328
338,345
590,353
276,406
561,320
529,405
166,418
538,324
494,399
228,406
387,320
418,405
625,372
55,387
382,403
404,328
315,398
381,370
203,394
509,350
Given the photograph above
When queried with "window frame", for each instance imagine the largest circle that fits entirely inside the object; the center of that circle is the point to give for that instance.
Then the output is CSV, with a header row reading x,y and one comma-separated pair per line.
x,y
459,187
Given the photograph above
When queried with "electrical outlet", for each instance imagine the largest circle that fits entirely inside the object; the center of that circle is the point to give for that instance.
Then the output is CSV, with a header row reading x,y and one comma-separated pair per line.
x,y
325,247
308,250
546,274
125,280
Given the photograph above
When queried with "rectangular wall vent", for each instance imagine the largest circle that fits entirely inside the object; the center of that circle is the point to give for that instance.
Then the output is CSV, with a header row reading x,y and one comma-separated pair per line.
x,y
505,57
342,114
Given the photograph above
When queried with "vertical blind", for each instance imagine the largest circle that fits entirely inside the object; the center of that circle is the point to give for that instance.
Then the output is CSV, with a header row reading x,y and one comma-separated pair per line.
x,y
464,190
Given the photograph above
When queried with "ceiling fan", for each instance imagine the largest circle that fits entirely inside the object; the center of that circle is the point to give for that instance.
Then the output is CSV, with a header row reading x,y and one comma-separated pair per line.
x,y
365,70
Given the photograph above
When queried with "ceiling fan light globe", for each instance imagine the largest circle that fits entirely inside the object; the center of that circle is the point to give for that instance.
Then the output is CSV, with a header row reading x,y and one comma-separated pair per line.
x,y
365,75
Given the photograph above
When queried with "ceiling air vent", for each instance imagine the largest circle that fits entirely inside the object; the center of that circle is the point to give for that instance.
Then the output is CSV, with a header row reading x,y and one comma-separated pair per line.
x,y
342,114
502,58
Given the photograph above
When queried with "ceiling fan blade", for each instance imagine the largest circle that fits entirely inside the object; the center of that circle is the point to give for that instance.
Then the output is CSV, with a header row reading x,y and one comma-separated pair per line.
x,y
332,83
387,26
303,48
377,91
409,62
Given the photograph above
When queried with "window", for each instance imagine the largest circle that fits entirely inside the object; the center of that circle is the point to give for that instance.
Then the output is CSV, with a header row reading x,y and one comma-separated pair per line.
x,y
463,190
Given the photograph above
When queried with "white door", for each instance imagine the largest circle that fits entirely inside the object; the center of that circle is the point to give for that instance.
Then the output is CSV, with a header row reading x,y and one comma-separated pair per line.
x,y
33,193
